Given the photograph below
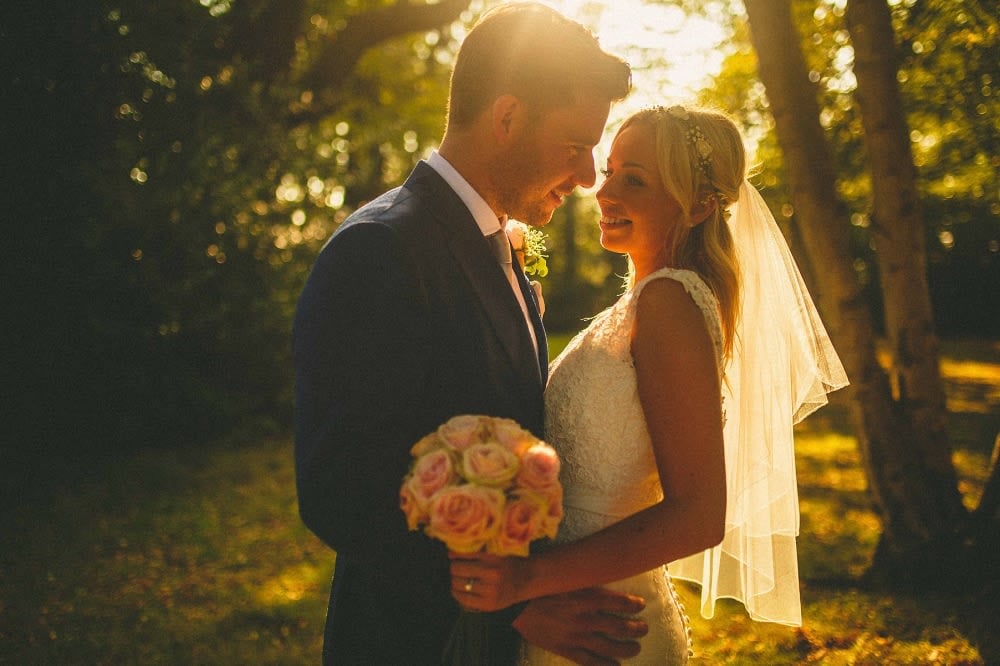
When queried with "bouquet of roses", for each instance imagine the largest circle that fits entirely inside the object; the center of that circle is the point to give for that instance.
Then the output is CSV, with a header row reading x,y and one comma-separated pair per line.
x,y
482,483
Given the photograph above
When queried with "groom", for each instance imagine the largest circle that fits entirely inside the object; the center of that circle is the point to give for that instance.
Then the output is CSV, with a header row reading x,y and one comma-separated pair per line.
x,y
408,319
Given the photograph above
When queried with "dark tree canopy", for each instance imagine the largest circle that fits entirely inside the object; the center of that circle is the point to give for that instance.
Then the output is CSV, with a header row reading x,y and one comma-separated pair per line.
x,y
173,169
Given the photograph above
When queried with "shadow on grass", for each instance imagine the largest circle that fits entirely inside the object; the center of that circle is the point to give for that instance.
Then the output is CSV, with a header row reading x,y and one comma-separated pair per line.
x,y
197,555
187,556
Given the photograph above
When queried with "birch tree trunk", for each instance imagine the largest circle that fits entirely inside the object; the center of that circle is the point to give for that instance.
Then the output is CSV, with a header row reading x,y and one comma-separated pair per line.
x,y
914,512
898,224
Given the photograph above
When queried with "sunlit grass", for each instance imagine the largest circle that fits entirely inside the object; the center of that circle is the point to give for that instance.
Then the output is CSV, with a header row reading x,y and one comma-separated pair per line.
x,y
841,623
198,556
190,557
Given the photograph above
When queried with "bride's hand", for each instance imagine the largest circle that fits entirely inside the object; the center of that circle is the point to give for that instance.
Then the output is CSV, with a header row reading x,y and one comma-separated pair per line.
x,y
484,582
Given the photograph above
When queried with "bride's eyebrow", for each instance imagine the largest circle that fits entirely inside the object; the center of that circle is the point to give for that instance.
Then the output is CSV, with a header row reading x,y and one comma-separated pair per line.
x,y
634,165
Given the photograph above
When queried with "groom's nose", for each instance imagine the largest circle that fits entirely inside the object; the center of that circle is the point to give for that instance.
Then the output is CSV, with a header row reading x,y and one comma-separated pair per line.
x,y
585,174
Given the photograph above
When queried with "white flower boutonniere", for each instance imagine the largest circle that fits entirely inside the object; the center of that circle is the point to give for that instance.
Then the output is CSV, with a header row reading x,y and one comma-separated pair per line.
x,y
529,247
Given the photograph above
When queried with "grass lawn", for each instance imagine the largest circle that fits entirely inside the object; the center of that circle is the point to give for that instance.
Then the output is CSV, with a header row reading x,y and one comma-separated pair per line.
x,y
197,556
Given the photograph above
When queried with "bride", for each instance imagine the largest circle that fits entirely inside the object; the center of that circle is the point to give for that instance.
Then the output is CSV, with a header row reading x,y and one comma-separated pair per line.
x,y
672,411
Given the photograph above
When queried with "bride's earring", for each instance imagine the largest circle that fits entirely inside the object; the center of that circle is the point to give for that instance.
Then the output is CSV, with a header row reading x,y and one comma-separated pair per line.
x,y
706,206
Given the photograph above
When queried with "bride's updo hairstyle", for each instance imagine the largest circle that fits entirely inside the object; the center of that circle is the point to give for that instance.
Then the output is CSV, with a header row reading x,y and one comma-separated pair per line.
x,y
701,158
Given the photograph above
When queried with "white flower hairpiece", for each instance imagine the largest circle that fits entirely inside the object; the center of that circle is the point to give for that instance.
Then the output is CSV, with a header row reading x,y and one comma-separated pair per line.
x,y
696,137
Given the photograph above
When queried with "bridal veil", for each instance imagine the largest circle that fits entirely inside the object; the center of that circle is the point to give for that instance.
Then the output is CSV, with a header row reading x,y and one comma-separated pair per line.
x,y
782,367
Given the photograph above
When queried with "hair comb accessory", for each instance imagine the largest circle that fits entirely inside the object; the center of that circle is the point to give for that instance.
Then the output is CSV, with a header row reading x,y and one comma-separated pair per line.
x,y
696,137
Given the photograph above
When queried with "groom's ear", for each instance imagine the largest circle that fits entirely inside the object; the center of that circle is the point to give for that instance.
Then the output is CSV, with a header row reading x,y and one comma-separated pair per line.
x,y
505,110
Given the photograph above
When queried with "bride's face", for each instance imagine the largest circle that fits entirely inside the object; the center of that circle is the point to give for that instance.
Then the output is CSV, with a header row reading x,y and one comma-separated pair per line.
x,y
637,214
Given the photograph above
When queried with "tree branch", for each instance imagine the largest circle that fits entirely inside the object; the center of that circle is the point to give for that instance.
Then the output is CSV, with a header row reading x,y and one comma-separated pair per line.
x,y
341,51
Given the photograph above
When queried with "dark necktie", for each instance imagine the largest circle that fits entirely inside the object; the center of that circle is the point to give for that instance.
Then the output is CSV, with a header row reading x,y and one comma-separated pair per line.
x,y
501,250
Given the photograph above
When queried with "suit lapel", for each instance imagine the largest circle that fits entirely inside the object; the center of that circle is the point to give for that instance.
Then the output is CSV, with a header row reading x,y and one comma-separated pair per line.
x,y
474,256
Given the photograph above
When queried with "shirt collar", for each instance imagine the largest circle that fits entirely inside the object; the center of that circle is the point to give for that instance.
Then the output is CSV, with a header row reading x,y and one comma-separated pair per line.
x,y
481,211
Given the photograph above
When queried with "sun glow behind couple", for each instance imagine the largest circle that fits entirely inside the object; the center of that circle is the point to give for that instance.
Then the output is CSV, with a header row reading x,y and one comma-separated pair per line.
x,y
673,54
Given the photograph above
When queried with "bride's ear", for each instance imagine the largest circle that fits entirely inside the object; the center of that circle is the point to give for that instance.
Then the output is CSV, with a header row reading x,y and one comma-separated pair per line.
x,y
703,209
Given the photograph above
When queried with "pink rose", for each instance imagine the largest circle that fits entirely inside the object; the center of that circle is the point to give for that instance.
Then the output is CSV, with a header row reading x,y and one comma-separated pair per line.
x,y
523,521
489,464
431,472
465,517
512,436
461,432
554,514
408,503
539,468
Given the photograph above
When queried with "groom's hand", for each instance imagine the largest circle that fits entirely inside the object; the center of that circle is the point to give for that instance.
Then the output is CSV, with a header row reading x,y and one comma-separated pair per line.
x,y
579,625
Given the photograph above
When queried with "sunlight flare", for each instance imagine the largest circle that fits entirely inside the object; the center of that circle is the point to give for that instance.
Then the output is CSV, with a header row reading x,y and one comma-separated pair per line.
x,y
673,54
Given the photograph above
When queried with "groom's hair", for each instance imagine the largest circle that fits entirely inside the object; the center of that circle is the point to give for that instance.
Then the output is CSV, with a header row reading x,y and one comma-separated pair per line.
x,y
536,54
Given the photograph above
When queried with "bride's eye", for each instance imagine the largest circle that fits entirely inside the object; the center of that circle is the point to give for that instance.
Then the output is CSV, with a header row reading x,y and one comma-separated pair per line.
x,y
606,173
635,180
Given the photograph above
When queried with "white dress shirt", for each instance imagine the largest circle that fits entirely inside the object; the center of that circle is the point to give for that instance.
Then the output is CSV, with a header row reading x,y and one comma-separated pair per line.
x,y
485,218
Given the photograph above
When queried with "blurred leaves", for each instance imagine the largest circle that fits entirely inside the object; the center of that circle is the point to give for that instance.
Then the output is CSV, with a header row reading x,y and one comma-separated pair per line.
x,y
948,50
175,168
178,178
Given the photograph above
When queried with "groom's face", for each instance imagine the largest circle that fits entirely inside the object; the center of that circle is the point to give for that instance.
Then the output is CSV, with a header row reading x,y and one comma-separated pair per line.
x,y
547,158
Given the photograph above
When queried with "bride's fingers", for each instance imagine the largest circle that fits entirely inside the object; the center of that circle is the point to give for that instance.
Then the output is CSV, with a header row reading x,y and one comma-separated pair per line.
x,y
475,594
462,571
489,572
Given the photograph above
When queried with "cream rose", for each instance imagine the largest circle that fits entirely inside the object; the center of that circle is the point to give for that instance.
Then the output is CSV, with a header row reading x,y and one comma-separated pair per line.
x,y
489,464
461,432
512,436
515,234
465,518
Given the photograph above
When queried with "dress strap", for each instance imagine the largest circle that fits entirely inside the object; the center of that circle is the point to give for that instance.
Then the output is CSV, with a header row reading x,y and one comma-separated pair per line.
x,y
702,296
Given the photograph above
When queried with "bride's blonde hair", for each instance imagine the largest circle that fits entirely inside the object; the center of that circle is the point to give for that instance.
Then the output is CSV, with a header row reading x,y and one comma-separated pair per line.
x,y
700,156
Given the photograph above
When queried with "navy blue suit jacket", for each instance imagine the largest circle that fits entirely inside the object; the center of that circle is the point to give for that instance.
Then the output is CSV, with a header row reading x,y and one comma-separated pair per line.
x,y
405,321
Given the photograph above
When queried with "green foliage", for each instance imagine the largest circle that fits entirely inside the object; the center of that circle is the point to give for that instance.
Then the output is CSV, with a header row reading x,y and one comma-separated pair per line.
x,y
179,180
176,167
947,52
583,278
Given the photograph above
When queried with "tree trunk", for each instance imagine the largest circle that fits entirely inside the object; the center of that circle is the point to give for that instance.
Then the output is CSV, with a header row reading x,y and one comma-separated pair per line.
x,y
899,229
911,510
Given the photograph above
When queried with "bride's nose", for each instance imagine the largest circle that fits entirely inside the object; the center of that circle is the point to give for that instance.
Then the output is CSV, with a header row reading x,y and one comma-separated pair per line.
x,y
605,192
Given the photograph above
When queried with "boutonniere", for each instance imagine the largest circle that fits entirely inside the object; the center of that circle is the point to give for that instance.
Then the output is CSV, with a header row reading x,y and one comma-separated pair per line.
x,y
529,247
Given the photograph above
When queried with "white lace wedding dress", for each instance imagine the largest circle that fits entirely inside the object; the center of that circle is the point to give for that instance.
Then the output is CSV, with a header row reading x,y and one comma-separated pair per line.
x,y
595,422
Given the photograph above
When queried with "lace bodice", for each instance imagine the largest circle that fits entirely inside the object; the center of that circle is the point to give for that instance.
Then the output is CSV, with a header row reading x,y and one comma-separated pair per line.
x,y
594,418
